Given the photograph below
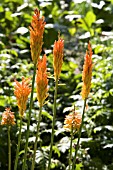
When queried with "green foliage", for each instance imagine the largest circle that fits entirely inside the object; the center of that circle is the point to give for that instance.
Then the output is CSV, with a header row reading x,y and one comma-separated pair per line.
x,y
78,22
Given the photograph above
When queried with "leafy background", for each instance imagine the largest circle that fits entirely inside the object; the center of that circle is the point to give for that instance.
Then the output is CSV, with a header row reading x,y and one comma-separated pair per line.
x,y
78,22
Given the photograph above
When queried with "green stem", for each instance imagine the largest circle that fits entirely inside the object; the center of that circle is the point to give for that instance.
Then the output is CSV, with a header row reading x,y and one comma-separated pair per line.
x,y
79,136
53,124
29,118
9,148
70,155
18,146
37,135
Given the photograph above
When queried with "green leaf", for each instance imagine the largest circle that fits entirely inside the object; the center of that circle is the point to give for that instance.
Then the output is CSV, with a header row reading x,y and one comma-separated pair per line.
x,y
2,101
90,18
56,150
1,9
72,31
8,15
99,48
47,115
86,23
111,92
110,1
79,166
21,152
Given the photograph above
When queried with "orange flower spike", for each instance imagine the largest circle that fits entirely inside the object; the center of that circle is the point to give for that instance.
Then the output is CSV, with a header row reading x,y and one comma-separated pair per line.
x,y
8,117
58,57
22,90
42,81
87,73
36,35
73,120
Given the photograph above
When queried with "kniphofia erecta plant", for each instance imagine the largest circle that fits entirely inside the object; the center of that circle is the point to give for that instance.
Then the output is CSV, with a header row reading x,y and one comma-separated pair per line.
x,y
57,65
72,123
36,42
42,81
58,57
8,119
86,78
42,94
36,35
21,91
87,73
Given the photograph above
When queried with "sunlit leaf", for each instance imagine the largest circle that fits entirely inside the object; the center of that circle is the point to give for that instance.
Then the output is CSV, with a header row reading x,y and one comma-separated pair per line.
x,y
72,31
8,15
64,144
79,166
108,146
47,115
56,150
21,30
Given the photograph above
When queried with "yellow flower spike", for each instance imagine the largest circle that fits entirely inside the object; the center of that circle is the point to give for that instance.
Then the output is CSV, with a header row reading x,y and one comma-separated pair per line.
x,y
8,117
87,73
36,35
58,57
73,121
21,91
42,81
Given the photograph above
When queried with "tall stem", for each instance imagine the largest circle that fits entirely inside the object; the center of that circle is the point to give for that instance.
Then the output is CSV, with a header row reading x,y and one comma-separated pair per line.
x,y
79,136
36,139
18,146
70,154
53,124
29,118
9,148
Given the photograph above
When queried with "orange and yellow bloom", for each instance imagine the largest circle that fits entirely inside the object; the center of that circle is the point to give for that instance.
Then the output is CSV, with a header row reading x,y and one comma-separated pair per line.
x,y
36,35
21,91
73,121
58,57
42,81
87,73
8,117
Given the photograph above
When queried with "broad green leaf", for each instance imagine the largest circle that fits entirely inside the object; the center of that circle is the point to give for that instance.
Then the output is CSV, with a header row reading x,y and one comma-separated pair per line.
x,y
1,9
79,166
90,18
2,101
99,48
8,15
72,31
86,23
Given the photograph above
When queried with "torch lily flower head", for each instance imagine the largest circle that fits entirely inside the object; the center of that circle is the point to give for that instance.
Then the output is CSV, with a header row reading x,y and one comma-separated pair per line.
x,y
36,35
42,81
58,57
8,117
73,121
21,91
87,73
